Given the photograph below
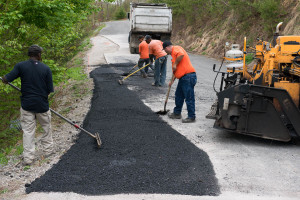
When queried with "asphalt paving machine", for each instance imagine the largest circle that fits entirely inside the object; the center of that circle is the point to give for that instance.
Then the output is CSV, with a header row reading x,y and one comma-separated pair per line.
x,y
261,100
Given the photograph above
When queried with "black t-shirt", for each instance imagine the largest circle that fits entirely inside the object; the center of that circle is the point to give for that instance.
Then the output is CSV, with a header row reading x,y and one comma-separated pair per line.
x,y
36,84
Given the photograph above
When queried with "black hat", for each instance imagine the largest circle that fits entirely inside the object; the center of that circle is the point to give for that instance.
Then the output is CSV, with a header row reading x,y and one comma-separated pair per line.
x,y
34,50
166,44
147,37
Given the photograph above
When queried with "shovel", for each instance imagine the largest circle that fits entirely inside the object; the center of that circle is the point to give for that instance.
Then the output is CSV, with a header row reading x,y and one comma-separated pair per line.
x,y
96,136
164,111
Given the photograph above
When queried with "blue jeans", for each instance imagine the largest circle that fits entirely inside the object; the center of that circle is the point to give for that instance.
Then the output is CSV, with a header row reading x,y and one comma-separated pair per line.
x,y
160,71
185,91
141,64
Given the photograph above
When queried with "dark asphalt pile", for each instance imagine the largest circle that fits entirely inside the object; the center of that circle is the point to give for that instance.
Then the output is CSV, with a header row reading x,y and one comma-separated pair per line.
x,y
140,152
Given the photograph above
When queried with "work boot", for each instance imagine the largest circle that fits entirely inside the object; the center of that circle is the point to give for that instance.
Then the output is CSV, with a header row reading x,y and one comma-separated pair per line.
x,y
188,120
144,75
174,116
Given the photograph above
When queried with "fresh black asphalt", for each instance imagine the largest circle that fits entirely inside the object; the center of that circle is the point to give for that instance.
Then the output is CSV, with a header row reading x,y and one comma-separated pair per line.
x,y
140,152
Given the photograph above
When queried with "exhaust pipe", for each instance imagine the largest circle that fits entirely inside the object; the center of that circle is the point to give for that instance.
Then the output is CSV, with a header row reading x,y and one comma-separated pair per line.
x,y
278,27
276,34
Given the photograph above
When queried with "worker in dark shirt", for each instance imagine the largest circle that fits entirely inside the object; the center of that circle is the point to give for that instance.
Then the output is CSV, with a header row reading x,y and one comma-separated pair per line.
x,y
36,85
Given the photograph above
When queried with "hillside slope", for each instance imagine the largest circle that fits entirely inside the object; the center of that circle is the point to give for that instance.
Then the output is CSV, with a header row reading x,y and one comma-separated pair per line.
x,y
208,36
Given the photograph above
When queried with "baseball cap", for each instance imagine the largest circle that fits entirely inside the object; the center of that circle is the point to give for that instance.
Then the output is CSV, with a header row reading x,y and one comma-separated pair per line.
x,y
166,44
147,37
34,50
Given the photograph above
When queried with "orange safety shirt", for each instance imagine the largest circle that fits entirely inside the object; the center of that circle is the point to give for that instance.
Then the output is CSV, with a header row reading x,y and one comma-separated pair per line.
x,y
156,48
144,50
184,66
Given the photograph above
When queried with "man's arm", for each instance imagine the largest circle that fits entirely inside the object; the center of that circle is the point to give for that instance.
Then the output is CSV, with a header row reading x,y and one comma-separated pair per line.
x,y
50,82
152,58
172,80
11,76
178,59
140,49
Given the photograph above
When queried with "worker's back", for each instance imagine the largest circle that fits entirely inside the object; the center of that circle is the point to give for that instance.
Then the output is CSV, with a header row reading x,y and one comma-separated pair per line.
x,y
36,84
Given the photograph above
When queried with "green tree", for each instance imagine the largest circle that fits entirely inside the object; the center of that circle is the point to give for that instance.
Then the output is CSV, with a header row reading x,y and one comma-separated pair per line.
x,y
120,13
271,13
56,25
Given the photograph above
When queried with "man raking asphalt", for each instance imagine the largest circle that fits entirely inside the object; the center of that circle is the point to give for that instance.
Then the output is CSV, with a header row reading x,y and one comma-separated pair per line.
x,y
121,81
96,136
36,84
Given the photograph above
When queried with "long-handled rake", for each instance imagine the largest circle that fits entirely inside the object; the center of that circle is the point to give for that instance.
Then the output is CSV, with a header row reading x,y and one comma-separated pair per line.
x,y
96,136
122,80
127,73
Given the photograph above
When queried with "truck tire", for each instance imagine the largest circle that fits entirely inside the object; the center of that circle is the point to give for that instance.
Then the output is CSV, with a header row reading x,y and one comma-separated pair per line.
x,y
132,50
166,37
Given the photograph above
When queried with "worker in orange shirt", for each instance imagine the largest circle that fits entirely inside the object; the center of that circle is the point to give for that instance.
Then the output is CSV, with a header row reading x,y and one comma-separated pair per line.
x,y
144,55
156,49
186,73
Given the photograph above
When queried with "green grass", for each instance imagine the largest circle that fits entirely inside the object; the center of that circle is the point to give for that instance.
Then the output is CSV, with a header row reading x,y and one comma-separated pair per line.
x,y
79,90
199,34
3,159
85,44
19,150
249,58
193,48
76,73
10,151
78,61
5,190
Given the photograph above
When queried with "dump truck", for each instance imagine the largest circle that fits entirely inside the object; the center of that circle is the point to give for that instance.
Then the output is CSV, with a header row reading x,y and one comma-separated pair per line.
x,y
153,19
261,100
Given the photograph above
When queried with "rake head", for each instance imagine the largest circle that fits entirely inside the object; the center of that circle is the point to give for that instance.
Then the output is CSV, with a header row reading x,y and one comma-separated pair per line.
x,y
120,82
97,137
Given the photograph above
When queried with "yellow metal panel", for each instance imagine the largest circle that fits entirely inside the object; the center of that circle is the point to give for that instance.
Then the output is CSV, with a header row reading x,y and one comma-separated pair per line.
x,y
289,48
292,88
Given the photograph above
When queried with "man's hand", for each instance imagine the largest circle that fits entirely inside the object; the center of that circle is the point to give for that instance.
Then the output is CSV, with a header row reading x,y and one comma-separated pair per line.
x,y
4,80
172,80
174,66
